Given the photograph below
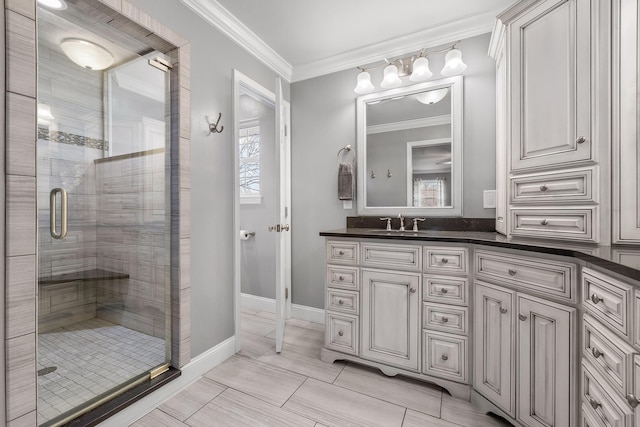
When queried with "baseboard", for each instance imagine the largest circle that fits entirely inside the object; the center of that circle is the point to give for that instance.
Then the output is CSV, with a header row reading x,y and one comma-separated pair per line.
x,y
191,372
302,312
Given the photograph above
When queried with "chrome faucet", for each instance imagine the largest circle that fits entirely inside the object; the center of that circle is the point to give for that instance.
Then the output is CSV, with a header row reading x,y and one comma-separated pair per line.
x,y
401,222
388,223
415,223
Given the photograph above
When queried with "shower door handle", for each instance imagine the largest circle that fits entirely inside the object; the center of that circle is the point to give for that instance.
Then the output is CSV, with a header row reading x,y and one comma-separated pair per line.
x,y
63,213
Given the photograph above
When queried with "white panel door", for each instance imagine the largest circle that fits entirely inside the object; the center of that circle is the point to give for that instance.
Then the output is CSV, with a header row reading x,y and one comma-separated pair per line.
x,y
390,317
551,85
545,359
633,400
494,351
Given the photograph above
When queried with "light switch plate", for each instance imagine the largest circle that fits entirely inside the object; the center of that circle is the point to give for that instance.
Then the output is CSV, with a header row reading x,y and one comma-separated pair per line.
x,y
489,199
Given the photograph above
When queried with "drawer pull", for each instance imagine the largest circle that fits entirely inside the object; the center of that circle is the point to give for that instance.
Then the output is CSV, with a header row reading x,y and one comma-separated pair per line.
x,y
522,317
596,353
340,252
445,357
341,278
341,302
633,401
512,272
444,260
412,290
594,403
543,187
581,140
544,222
443,291
595,298
340,333
445,319
503,310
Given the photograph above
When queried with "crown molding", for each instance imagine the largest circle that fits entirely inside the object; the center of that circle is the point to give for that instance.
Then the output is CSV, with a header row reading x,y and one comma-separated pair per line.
x,y
215,14
432,37
410,124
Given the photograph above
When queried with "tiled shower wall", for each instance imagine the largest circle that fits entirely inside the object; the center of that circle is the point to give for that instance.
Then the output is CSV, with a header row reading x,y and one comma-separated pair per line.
x,y
132,230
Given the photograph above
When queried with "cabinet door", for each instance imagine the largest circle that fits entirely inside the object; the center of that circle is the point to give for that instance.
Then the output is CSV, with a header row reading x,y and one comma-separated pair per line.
x,y
390,317
545,368
551,85
626,185
494,355
633,399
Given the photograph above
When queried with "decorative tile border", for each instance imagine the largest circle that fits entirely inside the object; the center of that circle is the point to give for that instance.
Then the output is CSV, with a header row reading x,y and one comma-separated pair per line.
x,y
71,139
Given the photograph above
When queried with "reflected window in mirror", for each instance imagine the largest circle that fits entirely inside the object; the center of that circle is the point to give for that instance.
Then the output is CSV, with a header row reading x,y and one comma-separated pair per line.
x,y
416,133
249,145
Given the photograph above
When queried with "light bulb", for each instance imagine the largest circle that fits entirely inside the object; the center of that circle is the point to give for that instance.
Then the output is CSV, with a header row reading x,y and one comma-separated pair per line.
x,y
391,78
53,4
453,63
421,70
433,96
364,84
86,54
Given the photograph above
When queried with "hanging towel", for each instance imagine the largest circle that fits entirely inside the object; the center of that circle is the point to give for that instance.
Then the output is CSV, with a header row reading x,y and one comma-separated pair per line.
x,y
345,181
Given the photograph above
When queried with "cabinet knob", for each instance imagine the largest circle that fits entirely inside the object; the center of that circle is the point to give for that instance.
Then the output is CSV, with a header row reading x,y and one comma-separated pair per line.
x,y
341,278
503,310
595,298
581,140
543,187
445,319
633,401
512,272
443,291
544,222
412,290
341,302
522,317
444,260
340,252
340,333
596,353
445,357
594,403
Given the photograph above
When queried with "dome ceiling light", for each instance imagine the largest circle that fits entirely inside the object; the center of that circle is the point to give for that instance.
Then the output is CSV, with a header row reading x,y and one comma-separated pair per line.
x,y
87,54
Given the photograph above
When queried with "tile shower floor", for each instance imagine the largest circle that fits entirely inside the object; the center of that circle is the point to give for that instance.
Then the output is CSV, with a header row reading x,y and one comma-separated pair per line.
x,y
258,387
90,358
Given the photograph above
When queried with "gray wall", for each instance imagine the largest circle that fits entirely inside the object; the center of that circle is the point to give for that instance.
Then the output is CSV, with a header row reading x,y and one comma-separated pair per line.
x,y
213,56
324,120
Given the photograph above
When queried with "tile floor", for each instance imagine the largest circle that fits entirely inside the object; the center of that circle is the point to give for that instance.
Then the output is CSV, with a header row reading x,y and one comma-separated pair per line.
x,y
90,357
258,387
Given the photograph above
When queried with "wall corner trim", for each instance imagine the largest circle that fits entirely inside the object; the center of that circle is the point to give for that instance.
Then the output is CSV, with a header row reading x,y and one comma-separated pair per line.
x,y
301,312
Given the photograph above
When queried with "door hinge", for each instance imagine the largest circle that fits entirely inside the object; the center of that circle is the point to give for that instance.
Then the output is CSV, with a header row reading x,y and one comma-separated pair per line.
x,y
160,63
286,211
286,130
286,293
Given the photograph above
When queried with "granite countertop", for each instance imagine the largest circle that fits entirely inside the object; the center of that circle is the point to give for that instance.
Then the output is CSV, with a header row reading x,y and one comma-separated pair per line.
x,y
620,259
95,274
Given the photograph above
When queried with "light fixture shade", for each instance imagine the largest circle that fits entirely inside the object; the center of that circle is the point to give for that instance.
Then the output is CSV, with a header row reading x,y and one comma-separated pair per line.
x,y
421,70
453,63
44,114
364,84
391,78
86,54
433,96
53,4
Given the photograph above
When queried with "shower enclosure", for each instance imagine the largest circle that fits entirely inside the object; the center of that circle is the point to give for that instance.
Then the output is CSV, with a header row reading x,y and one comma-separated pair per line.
x,y
104,213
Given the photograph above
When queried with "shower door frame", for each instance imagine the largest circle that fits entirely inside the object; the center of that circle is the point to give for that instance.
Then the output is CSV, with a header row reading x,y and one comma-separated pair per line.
x,y
20,227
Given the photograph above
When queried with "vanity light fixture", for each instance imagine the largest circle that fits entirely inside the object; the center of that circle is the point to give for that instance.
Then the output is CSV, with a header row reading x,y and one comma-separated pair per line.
x,y
416,67
53,4
87,54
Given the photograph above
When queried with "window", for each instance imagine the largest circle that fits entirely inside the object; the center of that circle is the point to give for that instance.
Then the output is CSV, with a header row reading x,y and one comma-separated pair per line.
x,y
249,144
428,192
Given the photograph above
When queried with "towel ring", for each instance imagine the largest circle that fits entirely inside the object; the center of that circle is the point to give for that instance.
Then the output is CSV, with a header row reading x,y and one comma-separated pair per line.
x,y
346,149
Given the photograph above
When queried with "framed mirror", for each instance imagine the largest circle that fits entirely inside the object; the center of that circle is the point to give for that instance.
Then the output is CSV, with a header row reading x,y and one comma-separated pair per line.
x,y
409,144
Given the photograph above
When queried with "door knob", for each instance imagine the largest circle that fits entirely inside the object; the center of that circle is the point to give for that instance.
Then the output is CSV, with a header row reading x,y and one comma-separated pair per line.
x,y
283,227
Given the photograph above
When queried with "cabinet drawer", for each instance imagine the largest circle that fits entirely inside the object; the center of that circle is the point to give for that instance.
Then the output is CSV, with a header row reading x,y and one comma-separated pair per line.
x,y
603,400
444,356
445,290
549,223
342,333
562,187
444,318
537,275
344,301
612,357
445,260
608,300
343,277
392,256
589,419
342,252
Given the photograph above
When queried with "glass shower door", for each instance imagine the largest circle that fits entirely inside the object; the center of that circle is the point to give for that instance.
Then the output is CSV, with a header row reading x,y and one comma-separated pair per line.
x,y
103,219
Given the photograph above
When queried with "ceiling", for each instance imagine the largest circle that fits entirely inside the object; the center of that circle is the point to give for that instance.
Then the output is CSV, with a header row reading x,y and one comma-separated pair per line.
x,y
316,37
